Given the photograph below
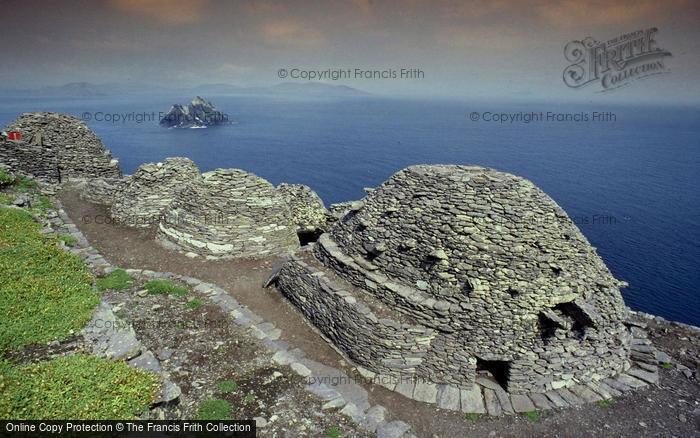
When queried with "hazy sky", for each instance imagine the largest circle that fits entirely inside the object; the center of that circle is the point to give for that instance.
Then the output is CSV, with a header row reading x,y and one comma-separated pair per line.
x,y
480,48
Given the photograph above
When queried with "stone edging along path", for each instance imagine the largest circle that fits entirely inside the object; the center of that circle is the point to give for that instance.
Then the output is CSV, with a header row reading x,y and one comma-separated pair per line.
x,y
115,338
339,390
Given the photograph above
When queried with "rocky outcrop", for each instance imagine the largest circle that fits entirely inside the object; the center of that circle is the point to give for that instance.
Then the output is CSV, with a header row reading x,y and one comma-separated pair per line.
x,y
445,275
142,199
307,209
229,213
197,114
55,147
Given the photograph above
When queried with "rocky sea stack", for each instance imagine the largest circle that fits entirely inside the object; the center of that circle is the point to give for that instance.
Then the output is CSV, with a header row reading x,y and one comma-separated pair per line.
x,y
197,114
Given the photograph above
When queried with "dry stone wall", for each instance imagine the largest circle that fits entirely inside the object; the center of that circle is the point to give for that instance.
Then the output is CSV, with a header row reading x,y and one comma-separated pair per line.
x,y
307,209
486,262
229,213
393,347
143,198
55,147
102,190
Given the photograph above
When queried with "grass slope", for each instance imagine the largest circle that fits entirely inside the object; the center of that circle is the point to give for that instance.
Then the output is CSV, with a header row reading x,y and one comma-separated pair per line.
x,y
45,293
75,387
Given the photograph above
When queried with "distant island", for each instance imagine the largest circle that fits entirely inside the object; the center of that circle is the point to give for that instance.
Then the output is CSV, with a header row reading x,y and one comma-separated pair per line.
x,y
198,114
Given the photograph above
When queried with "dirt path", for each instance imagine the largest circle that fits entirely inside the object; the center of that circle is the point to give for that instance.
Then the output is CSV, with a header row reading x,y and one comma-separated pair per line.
x,y
671,409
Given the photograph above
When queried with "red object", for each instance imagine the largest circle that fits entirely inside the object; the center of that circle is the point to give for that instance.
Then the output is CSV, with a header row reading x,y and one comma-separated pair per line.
x,y
14,135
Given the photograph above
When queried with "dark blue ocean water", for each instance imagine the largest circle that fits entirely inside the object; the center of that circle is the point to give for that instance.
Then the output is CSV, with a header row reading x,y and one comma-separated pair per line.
x,y
631,185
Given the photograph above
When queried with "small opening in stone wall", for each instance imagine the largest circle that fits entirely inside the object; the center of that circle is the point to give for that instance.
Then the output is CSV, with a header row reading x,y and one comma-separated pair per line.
x,y
513,292
499,370
547,327
348,216
308,236
371,255
581,321
557,270
467,288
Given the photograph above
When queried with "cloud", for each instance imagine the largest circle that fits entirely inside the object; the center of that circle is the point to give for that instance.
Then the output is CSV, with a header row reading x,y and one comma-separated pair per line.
x,y
481,38
230,69
475,8
165,11
365,6
572,13
291,33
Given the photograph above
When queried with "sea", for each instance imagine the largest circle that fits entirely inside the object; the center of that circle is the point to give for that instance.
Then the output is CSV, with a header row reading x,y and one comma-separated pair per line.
x,y
628,175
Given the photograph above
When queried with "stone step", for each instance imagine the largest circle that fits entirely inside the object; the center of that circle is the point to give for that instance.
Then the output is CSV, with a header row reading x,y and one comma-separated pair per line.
x,y
617,385
585,393
570,397
493,407
599,390
472,400
647,376
521,403
631,381
609,389
647,367
541,401
448,397
556,399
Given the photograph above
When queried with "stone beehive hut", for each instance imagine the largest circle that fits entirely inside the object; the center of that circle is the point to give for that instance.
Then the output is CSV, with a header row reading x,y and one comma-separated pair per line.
x,y
102,190
141,199
229,213
308,212
455,274
55,147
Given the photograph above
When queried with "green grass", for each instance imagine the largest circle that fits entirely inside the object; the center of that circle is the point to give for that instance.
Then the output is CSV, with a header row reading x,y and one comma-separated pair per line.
x,y
333,432
194,303
5,178
227,386
532,415
44,203
165,287
214,409
249,398
6,199
75,387
471,416
667,365
605,403
116,280
68,239
45,293
24,184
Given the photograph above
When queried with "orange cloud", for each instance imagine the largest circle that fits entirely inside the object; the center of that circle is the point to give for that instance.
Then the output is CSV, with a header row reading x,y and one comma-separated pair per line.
x,y
365,6
165,11
500,39
288,32
575,12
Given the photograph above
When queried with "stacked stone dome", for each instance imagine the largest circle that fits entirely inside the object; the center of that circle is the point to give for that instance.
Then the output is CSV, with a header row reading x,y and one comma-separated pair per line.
x,y
141,199
229,213
102,190
446,272
55,147
308,211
